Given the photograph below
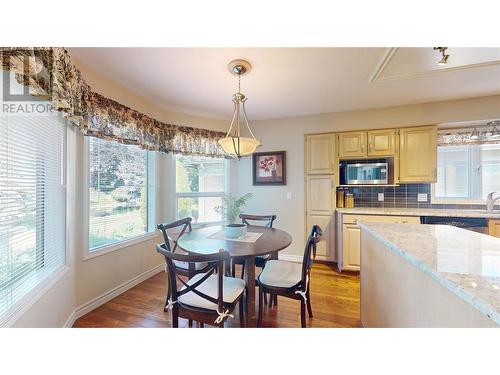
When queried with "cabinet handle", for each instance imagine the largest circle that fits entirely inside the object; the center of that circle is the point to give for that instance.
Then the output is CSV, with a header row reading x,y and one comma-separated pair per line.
x,y
404,222
371,146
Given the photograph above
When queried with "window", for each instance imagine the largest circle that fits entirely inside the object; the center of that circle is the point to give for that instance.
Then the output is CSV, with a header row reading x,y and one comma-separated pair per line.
x,y
32,203
120,192
200,184
467,173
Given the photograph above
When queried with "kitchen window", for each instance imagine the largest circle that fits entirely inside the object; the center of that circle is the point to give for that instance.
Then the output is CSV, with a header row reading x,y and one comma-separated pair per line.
x,y
200,184
32,202
467,173
120,193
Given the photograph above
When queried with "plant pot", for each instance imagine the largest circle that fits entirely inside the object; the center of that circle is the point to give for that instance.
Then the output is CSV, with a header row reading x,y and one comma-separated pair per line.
x,y
235,230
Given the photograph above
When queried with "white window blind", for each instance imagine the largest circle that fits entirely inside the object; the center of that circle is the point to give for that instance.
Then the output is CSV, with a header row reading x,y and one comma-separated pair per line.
x,y
200,184
32,203
467,172
121,192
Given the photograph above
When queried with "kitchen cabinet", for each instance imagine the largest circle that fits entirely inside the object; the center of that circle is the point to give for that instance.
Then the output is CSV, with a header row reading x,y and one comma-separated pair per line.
x,y
320,154
382,142
494,227
325,247
320,195
352,144
418,154
320,208
351,236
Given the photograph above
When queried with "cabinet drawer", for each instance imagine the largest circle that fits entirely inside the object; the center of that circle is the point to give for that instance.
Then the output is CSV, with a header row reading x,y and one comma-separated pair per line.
x,y
353,219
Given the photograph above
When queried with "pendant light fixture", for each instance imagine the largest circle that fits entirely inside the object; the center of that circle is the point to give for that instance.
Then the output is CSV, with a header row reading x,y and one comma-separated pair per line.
x,y
234,144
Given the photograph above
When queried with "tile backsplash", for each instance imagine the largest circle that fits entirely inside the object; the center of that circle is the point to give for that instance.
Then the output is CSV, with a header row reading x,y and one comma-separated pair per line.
x,y
404,196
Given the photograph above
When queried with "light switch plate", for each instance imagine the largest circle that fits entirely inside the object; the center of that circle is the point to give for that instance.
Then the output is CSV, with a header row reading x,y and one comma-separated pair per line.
x,y
422,197
289,195
380,197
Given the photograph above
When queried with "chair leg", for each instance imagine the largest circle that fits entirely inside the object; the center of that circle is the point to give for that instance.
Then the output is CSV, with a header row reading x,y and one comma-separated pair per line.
x,y
201,325
243,270
265,300
302,314
175,317
259,317
242,314
275,300
233,268
309,308
190,323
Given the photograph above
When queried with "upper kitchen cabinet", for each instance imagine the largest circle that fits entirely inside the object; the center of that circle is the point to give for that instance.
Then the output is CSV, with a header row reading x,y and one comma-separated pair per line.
x,y
418,154
352,144
320,154
382,142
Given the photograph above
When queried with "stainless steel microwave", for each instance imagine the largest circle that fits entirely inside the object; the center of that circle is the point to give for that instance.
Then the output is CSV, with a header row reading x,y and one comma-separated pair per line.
x,y
367,174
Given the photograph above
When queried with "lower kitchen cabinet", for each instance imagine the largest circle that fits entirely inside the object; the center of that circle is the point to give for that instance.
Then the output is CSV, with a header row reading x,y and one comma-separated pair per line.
x,y
494,227
325,249
349,240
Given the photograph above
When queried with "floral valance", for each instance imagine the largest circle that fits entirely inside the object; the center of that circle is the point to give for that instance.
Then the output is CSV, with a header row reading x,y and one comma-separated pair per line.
x,y
458,137
50,74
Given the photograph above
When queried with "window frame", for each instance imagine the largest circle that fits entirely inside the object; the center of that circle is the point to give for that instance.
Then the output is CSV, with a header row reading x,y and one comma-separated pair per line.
x,y
176,195
152,191
474,188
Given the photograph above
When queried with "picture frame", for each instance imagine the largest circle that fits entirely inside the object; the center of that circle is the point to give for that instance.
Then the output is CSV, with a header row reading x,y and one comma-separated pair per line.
x,y
269,168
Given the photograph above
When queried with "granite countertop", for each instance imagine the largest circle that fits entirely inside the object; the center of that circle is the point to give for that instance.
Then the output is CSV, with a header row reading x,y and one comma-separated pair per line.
x,y
421,212
465,262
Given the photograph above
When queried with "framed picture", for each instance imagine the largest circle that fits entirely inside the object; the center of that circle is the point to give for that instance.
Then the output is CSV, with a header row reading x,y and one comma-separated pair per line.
x,y
269,168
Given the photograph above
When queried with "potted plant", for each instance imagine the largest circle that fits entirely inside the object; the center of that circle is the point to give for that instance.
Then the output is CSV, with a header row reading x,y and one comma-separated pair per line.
x,y
231,208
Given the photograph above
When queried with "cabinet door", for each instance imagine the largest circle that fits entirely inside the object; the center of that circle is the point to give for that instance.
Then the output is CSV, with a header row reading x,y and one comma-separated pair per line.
x,y
351,243
494,228
352,144
382,142
324,246
418,154
320,195
320,154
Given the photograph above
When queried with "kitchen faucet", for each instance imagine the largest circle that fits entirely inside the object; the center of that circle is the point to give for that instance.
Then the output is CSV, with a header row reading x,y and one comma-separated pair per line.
x,y
490,202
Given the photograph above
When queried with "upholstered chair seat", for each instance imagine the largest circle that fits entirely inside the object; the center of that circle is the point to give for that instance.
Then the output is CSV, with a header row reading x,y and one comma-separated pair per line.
x,y
281,274
232,290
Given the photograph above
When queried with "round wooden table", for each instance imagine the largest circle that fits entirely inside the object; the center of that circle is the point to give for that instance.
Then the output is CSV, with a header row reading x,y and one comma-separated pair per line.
x,y
209,240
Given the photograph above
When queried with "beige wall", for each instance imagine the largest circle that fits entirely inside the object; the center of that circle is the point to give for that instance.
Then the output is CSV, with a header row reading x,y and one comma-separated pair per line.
x,y
288,134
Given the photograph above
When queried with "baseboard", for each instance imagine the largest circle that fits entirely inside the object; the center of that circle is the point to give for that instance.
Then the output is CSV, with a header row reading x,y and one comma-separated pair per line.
x,y
71,320
290,258
105,297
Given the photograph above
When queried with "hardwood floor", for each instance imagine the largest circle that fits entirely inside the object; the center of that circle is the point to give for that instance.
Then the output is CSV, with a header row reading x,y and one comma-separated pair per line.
x,y
334,296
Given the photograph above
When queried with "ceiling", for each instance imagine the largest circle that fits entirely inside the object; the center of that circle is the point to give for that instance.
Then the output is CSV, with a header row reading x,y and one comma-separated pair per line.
x,y
296,81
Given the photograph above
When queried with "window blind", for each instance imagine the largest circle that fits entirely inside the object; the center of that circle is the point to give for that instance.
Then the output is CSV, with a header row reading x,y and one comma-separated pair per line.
x,y
119,198
32,203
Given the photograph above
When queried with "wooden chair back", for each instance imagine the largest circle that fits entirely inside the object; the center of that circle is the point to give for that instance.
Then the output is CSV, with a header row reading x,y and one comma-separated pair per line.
x,y
310,252
268,219
215,263
183,224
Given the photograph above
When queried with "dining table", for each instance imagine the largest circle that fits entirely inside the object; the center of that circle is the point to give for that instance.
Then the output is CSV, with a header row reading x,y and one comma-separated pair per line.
x,y
257,242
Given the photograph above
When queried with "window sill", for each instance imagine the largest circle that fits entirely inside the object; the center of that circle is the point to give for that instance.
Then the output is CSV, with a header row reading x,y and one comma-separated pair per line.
x,y
119,245
457,201
55,274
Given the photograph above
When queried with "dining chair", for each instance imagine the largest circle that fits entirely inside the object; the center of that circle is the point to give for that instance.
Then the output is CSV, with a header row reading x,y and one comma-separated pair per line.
x,y
171,233
260,261
290,279
210,297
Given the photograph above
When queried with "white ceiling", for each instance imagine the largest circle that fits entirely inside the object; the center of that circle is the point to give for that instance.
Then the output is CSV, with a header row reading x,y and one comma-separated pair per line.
x,y
296,81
